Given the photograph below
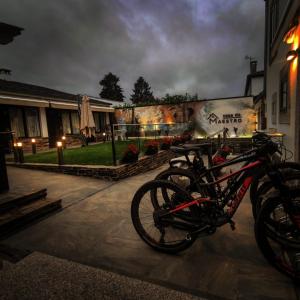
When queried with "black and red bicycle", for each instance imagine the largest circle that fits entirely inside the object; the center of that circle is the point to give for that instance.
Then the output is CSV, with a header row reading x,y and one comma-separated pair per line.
x,y
170,218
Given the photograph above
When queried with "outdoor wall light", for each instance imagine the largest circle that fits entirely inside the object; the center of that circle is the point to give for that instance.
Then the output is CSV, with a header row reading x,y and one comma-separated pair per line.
x,y
59,144
63,138
290,35
104,134
291,55
15,144
33,141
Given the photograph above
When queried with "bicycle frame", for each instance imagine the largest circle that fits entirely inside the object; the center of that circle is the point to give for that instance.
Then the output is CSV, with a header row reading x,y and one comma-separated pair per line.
x,y
237,188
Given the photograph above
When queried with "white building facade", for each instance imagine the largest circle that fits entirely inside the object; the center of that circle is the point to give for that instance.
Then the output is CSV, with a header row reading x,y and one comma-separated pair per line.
x,y
282,82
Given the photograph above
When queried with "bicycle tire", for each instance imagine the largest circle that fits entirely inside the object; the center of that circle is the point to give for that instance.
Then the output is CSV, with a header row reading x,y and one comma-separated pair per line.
x,y
259,176
163,246
265,189
269,240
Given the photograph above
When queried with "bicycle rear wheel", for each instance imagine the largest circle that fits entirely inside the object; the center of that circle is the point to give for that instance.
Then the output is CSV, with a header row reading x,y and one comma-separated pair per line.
x,y
170,233
278,235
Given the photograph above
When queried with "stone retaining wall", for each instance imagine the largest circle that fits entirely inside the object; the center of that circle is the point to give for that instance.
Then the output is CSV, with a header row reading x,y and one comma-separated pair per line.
x,y
144,164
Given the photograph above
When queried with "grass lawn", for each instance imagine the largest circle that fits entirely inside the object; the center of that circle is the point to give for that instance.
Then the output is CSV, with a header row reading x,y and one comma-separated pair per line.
x,y
99,154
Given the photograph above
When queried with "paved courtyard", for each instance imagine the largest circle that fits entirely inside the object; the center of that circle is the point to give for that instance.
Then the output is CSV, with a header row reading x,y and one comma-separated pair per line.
x,y
94,228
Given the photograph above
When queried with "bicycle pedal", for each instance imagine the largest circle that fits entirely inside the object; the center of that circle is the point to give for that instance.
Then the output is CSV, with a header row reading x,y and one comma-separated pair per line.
x,y
232,224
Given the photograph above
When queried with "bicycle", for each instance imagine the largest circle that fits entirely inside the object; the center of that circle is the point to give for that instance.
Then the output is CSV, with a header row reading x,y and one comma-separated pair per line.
x,y
195,172
171,224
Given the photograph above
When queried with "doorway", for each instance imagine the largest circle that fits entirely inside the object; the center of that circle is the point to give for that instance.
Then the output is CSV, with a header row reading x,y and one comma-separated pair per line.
x,y
55,128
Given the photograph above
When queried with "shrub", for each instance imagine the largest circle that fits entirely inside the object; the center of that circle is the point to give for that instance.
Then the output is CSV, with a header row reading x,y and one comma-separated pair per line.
x,y
177,140
151,147
131,154
166,144
186,136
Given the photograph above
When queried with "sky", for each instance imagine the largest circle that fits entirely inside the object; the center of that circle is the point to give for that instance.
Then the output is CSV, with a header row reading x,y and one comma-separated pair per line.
x,y
178,46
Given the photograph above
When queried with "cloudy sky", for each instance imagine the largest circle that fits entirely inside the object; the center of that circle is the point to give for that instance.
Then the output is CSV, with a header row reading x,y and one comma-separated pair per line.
x,y
178,46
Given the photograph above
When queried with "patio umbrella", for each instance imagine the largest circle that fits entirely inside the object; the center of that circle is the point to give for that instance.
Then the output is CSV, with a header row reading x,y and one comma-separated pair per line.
x,y
87,123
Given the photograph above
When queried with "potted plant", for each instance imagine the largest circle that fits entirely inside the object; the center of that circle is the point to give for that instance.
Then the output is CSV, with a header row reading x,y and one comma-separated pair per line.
x,y
131,154
166,144
151,147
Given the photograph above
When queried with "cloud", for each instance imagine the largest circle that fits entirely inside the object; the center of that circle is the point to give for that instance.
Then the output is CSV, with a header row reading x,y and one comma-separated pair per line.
x,y
179,46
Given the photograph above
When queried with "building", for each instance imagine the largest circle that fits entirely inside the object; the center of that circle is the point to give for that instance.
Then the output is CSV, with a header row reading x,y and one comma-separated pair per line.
x,y
31,111
255,87
282,81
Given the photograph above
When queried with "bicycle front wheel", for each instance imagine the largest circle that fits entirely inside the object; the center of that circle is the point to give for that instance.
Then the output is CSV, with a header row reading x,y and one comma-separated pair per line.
x,y
278,234
168,234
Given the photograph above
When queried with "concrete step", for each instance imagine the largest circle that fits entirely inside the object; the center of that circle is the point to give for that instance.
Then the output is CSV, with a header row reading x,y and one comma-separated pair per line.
x,y
21,215
22,200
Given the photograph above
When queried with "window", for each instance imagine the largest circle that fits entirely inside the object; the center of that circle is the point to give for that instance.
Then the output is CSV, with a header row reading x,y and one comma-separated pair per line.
x,y
70,122
66,122
32,122
278,9
100,121
17,121
274,108
284,101
75,122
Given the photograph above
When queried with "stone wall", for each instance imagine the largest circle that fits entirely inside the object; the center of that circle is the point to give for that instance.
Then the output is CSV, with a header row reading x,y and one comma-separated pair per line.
x,y
42,144
144,164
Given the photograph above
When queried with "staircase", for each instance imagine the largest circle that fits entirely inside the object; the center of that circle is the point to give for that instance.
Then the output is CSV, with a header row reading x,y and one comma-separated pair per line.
x,y
20,211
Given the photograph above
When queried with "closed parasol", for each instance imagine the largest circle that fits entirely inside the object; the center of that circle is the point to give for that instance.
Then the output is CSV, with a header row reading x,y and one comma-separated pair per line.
x,y
87,123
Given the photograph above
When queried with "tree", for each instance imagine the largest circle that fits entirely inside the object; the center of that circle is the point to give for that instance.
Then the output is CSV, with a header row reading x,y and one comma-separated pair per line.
x,y
142,92
110,88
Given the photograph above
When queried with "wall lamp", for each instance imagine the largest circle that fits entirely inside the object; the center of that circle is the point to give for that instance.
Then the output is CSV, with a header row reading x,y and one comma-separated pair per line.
x,y
290,34
292,54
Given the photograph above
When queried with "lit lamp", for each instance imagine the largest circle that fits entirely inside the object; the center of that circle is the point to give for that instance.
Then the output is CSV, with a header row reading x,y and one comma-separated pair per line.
x,y
63,138
33,146
16,156
104,136
60,154
289,37
20,152
291,55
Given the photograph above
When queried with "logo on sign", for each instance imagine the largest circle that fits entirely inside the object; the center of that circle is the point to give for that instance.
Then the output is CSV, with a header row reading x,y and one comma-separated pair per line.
x,y
227,118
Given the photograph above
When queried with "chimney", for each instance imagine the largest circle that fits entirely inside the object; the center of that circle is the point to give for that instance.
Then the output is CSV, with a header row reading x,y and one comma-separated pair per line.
x,y
253,66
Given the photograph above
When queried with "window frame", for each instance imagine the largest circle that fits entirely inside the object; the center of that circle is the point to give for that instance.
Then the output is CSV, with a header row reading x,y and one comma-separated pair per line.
x,y
69,112
24,119
284,81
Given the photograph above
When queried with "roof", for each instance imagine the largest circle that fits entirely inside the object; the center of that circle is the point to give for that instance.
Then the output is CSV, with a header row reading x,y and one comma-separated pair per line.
x,y
8,32
250,77
40,92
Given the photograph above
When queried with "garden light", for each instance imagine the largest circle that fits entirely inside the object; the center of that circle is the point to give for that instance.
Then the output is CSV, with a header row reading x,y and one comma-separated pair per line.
x,y
20,152
60,154
64,141
15,151
33,146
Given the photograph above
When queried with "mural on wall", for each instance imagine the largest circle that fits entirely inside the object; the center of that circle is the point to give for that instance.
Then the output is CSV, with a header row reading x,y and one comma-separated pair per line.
x,y
204,118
